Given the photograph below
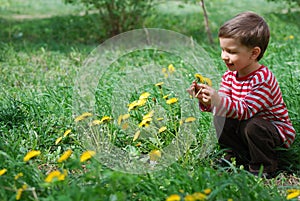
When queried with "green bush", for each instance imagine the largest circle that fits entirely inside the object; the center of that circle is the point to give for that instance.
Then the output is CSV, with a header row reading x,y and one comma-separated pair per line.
x,y
118,16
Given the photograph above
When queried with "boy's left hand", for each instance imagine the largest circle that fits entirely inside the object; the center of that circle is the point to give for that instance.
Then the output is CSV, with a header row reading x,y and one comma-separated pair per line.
x,y
208,95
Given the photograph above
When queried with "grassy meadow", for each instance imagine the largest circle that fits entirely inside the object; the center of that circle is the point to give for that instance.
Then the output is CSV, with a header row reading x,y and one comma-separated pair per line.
x,y
43,46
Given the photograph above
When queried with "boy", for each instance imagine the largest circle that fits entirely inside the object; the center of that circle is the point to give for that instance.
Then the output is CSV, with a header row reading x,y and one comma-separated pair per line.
x,y
249,99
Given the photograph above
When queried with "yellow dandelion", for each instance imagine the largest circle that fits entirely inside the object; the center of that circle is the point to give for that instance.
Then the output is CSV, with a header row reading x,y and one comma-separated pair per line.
x,y
173,197
31,154
199,78
171,68
56,174
162,129
138,144
189,198
96,122
19,193
65,156
20,174
87,155
291,37
293,195
207,191
58,140
67,132
144,95
207,81
145,122
123,118
166,96
105,119
160,119
159,84
172,100
133,105
199,196
155,155
136,135
83,116
180,122
190,119
3,171
149,115
229,199
164,70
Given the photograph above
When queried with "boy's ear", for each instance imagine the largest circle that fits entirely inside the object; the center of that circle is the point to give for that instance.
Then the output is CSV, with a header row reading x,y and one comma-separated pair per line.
x,y
255,52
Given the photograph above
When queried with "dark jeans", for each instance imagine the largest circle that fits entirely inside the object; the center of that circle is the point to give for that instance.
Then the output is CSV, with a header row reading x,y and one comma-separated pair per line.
x,y
253,141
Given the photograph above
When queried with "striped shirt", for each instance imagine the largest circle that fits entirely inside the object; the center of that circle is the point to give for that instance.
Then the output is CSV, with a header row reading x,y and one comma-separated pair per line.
x,y
255,94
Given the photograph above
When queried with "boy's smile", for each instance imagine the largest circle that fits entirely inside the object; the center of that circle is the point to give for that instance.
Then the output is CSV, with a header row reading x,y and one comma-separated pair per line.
x,y
238,57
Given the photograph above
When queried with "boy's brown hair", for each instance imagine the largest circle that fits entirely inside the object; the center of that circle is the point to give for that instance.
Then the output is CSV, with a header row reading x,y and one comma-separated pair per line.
x,y
250,29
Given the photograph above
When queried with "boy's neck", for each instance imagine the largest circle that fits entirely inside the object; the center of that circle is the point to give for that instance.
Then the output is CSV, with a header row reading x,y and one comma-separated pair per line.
x,y
248,70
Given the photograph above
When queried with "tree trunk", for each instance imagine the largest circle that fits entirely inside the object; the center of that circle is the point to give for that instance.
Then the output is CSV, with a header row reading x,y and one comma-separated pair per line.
x,y
210,38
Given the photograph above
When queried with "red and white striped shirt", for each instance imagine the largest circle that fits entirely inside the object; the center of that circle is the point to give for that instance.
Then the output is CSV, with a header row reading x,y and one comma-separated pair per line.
x,y
255,94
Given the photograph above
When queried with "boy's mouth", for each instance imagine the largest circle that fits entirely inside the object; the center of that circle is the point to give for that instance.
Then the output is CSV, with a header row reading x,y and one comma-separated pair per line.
x,y
229,65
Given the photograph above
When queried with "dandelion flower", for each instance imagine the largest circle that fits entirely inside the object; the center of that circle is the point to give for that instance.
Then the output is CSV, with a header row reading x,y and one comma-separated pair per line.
x,y
189,198
144,95
67,132
199,78
65,156
207,81
145,122
123,118
155,155
207,191
159,84
229,199
199,196
160,119
173,197
83,116
133,105
87,155
31,154
166,97
148,115
3,171
171,68
164,70
189,119
20,191
172,100
291,37
136,135
58,140
105,119
56,174
96,122
293,194
162,129
19,175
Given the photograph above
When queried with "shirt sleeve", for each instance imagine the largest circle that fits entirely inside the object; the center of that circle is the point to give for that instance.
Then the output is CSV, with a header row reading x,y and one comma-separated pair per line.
x,y
257,98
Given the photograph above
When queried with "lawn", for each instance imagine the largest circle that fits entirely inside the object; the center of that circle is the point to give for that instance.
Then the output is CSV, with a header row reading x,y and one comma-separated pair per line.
x,y
79,121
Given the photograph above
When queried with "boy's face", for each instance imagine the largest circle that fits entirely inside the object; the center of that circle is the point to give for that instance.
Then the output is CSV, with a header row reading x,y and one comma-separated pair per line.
x,y
238,57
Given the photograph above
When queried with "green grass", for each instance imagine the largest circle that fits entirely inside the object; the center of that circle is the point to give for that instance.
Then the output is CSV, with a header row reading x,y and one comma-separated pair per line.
x,y
42,49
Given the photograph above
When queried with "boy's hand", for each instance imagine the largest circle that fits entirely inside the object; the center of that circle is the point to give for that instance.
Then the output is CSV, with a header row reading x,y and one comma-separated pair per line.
x,y
209,96
204,93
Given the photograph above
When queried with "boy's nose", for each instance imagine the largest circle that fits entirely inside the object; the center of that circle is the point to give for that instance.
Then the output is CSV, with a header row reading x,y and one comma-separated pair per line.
x,y
224,55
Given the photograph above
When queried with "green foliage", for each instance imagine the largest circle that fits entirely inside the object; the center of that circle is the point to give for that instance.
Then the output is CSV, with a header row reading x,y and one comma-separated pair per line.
x,y
118,16
291,3
37,78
